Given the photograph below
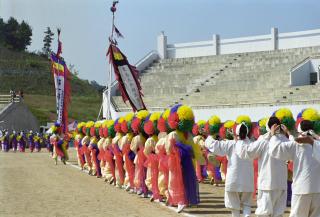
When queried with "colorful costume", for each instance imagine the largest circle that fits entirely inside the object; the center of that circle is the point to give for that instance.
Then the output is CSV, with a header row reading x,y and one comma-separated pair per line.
x,y
117,152
21,142
137,146
109,168
13,141
60,145
163,176
213,165
78,144
198,132
31,141
152,161
183,153
37,142
94,150
85,145
5,142
128,155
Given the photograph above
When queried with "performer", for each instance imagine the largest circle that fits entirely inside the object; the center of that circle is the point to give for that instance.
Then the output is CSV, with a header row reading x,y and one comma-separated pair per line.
x,y
31,141
137,146
37,142
239,187
60,144
152,161
103,134
213,165
85,144
163,177
272,179
198,132
5,141
94,150
183,153
109,168
117,152
13,141
306,168
128,155
21,139
78,144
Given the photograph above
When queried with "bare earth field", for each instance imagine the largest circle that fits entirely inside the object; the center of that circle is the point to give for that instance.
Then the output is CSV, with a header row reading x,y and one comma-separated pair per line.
x,y
32,186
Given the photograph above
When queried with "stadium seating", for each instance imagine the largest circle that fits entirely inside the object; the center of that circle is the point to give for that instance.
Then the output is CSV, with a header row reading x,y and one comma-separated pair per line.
x,y
227,80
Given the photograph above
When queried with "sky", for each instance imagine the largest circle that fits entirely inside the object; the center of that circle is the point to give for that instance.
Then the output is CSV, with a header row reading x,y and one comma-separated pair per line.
x,y
86,24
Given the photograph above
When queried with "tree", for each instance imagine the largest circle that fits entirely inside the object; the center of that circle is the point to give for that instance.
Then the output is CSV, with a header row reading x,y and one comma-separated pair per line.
x,y
16,36
2,31
47,42
10,33
24,36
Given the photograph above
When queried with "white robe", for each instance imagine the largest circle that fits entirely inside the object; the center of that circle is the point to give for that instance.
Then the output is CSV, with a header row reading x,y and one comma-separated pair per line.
x,y
272,172
240,171
306,168
316,150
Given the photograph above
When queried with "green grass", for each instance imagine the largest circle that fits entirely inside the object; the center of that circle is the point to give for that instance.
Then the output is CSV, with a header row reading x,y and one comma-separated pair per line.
x,y
81,108
31,73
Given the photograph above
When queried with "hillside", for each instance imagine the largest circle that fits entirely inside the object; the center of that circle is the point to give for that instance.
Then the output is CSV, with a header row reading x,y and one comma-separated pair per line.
x,y
31,73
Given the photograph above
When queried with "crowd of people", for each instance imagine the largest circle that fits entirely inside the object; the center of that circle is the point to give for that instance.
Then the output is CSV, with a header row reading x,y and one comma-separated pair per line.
x,y
20,141
164,157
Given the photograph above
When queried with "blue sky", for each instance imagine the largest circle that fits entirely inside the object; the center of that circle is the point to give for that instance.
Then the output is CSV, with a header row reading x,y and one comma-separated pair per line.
x,y
86,24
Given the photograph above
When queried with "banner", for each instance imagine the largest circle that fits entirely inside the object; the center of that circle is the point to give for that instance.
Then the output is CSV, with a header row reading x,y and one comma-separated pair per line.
x,y
61,82
127,77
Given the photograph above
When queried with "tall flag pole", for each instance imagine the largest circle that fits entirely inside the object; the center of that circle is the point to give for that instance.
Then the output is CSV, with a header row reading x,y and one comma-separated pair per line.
x,y
61,76
125,74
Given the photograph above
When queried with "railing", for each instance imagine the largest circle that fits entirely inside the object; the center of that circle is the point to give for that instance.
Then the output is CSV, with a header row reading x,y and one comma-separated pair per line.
x,y
148,59
235,105
5,99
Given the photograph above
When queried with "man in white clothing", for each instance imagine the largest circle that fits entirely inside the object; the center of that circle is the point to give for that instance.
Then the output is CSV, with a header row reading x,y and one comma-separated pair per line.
x,y
306,170
239,179
272,179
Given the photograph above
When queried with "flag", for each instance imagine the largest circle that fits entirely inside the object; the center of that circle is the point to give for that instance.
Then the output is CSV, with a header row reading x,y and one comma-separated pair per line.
x,y
61,75
127,77
118,33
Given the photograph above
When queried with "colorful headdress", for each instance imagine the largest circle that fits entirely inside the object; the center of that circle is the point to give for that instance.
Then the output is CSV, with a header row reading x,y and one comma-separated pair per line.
x,y
138,121
103,130
309,114
226,131
150,126
181,118
80,127
117,124
260,128
199,128
111,130
162,124
126,124
285,117
246,120
56,128
213,125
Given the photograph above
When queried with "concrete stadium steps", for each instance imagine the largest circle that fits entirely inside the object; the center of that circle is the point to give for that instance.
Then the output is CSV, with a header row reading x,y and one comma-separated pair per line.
x,y
230,80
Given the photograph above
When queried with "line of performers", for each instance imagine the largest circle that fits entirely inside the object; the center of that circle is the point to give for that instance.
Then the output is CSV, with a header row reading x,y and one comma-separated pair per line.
x,y
21,141
165,155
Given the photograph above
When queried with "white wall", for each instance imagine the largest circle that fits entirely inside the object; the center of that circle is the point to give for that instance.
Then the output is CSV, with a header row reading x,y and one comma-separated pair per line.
x,y
272,41
255,113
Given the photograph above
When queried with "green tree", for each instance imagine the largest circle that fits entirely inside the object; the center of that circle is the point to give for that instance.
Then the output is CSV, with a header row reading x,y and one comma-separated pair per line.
x,y
10,33
24,36
47,41
17,36
2,31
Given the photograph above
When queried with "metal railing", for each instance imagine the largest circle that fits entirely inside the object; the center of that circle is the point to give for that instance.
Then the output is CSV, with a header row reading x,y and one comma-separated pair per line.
x,y
5,99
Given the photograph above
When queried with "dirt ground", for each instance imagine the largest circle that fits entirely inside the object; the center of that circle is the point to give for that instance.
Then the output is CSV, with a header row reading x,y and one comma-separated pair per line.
x,y
31,185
